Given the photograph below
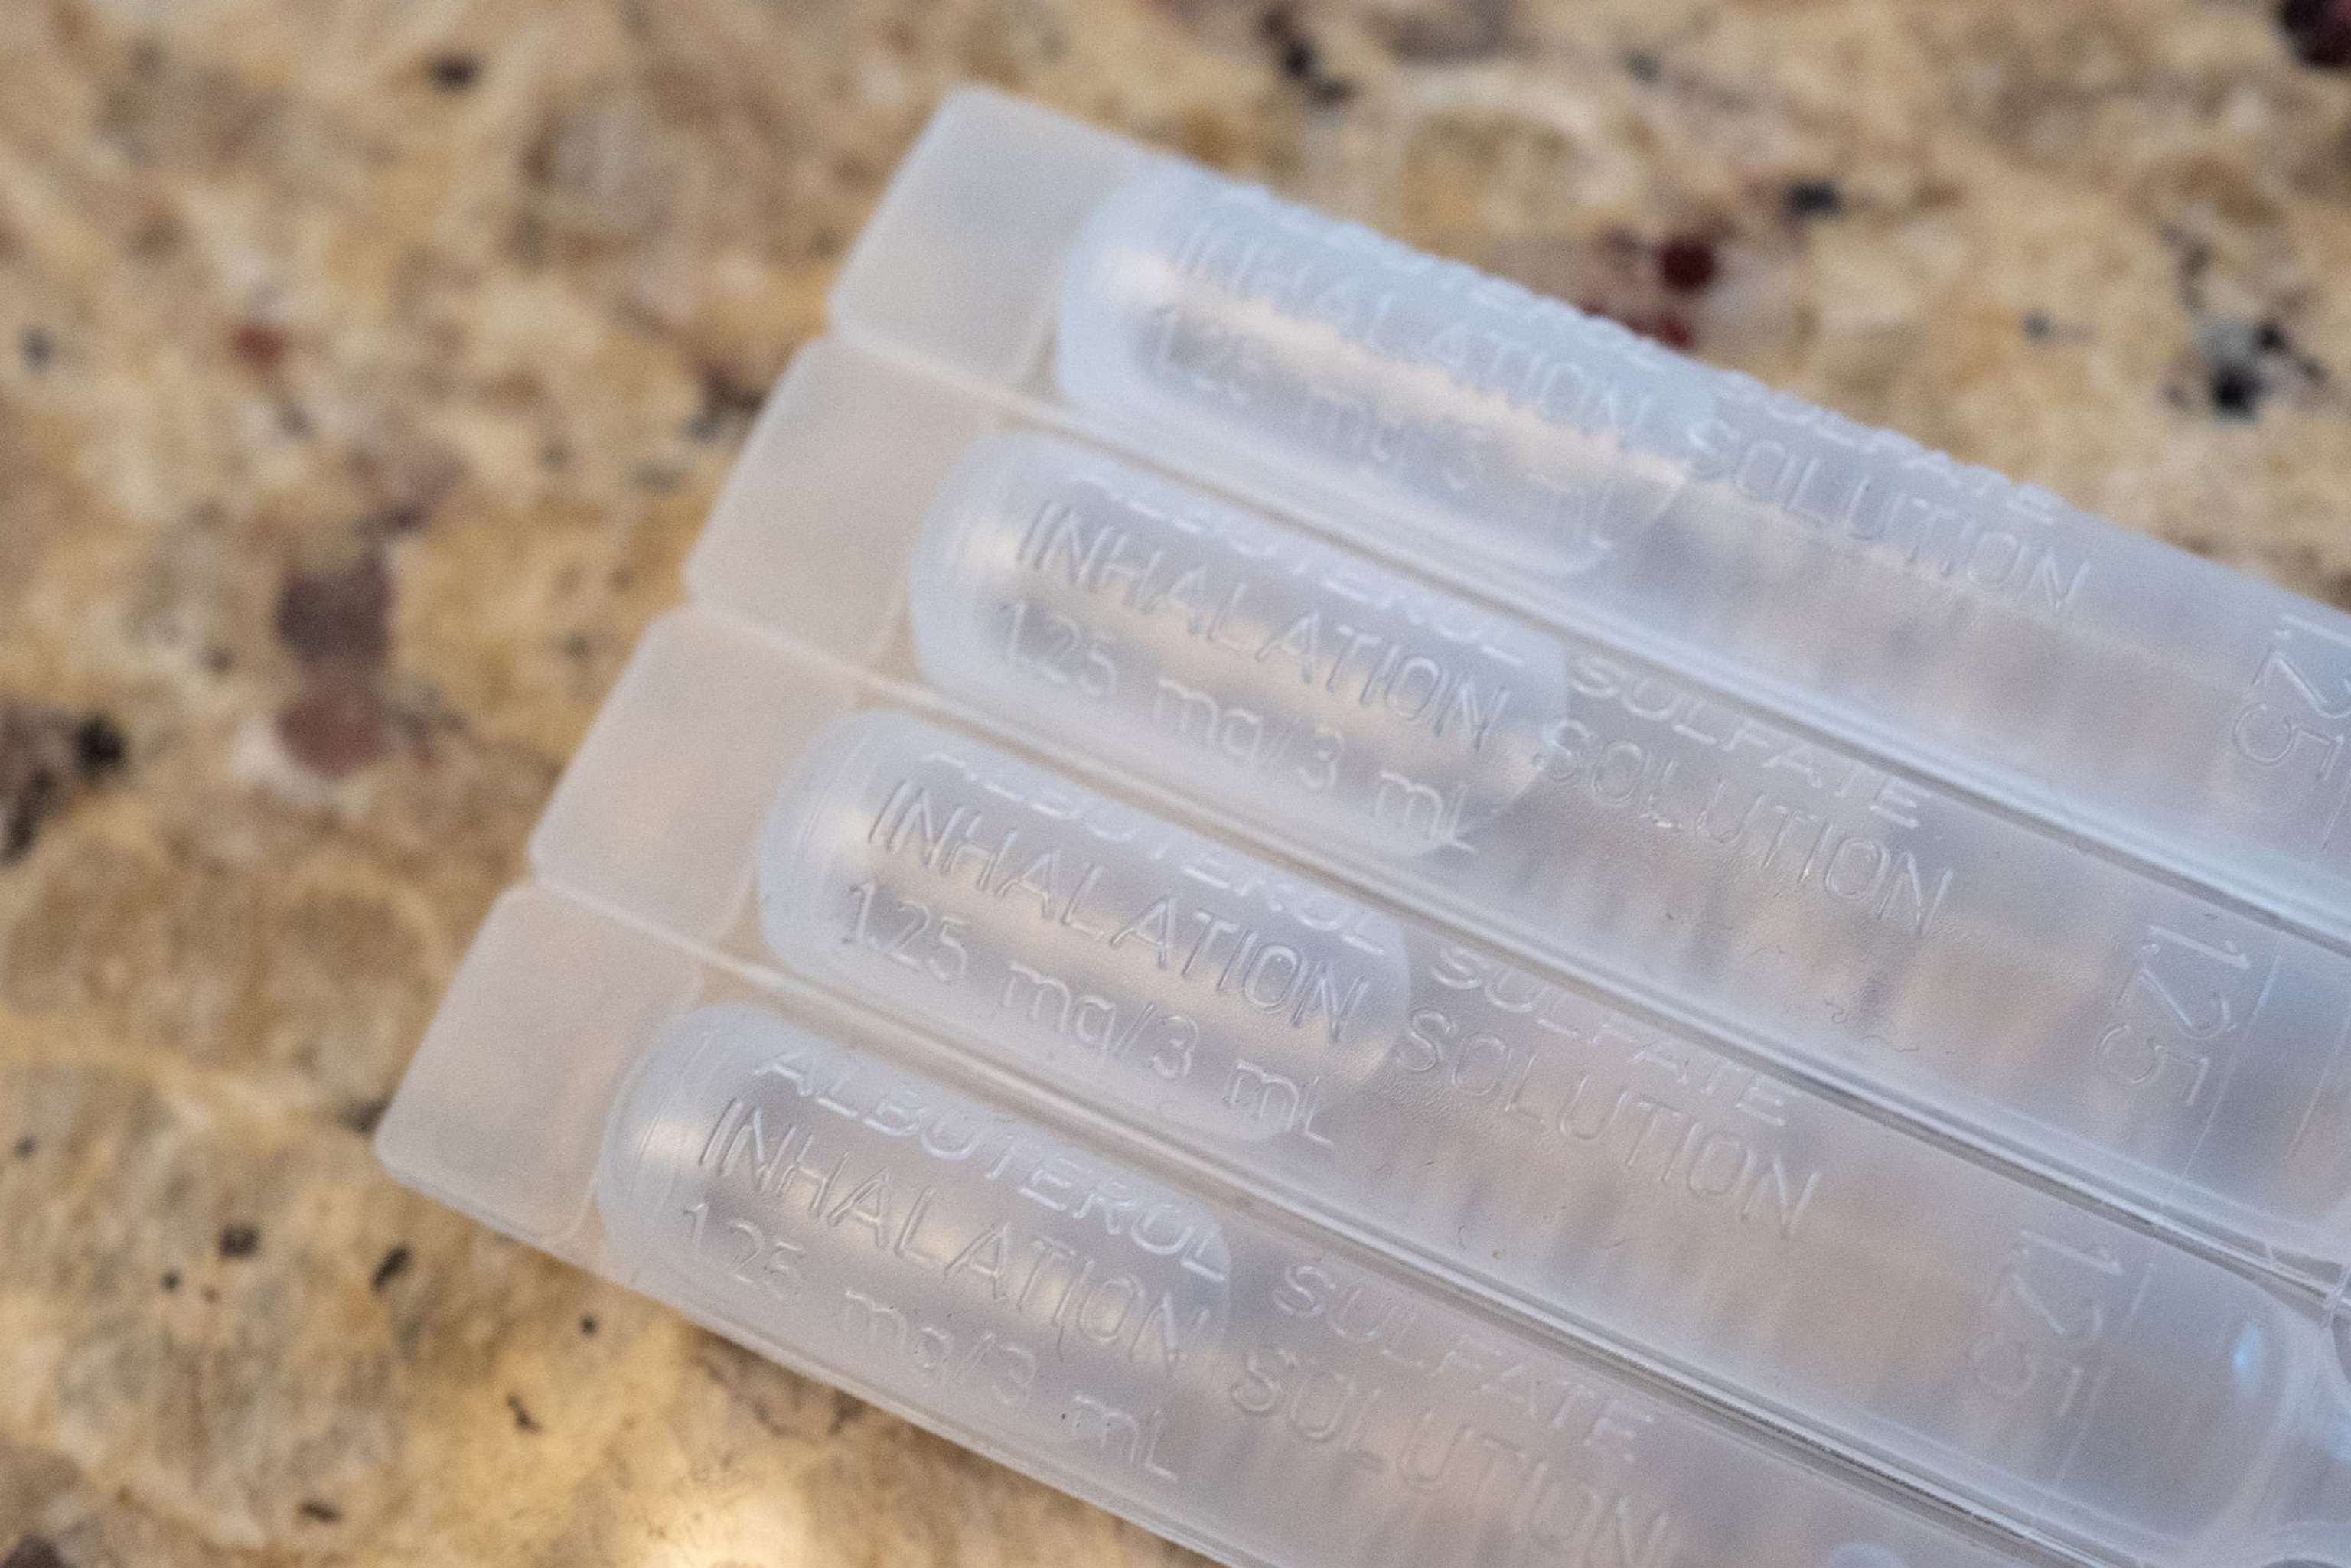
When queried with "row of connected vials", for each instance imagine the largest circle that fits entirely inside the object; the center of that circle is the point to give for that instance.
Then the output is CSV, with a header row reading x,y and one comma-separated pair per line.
x,y
1830,1001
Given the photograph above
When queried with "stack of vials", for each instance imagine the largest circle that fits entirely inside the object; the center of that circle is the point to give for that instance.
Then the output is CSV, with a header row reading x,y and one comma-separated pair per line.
x,y
1379,925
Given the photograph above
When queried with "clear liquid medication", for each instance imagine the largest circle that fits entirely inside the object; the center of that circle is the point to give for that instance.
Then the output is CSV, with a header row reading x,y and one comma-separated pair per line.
x,y
1237,1384
1840,1062
1777,1248
1920,608
1591,810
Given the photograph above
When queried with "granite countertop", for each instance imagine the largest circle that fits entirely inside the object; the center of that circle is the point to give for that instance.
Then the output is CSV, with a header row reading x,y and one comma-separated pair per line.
x,y
366,366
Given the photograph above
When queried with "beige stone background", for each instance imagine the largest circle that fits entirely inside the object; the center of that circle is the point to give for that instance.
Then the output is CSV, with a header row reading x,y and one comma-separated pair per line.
x,y
366,367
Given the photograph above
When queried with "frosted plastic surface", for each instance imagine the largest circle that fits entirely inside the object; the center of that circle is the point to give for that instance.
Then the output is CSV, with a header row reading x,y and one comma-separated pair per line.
x,y
1261,1392
1794,1255
1825,787
1620,1182
818,1187
2118,1029
1923,609
1589,809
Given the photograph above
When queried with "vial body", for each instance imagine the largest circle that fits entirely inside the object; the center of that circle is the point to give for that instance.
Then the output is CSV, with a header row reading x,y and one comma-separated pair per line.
x,y
1230,1382
1925,610
1746,1234
1588,808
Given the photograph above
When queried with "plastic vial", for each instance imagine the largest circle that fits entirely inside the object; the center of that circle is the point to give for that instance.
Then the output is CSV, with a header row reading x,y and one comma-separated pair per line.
x,y
1585,809
1233,1382
1978,629
1789,1253
1309,1235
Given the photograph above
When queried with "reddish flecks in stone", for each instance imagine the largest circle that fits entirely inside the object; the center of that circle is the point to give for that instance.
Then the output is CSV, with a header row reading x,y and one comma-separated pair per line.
x,y
338,625
260,344
336,727
1686,264
2319,30
343,614
1670,328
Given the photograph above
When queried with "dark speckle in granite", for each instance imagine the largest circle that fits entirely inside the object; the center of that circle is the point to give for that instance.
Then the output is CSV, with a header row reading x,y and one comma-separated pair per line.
x,y
1686,264
260,345
401,517
1464,30
454,72
2270,338
396,1263
1300,58
336,727
1670,328
47,759
340,614
1812,199
728,405
2319,31
2246,363
99,747
2236,390
22,811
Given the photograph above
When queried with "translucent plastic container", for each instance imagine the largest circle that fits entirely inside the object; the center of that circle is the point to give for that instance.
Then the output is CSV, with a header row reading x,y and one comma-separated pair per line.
x,y
1984,630
896,1000
1969,1334
2126,1032
827,1191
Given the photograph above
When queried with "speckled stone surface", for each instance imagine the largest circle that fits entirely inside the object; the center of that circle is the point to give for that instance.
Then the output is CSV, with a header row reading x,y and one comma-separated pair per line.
x,y
366,367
